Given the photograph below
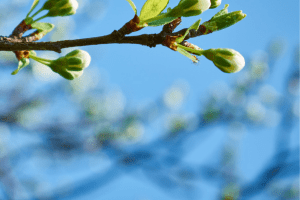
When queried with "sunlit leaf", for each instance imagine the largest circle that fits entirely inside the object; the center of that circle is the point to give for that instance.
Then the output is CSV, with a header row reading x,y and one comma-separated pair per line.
x,y
42,26
161,22
152,8
221,12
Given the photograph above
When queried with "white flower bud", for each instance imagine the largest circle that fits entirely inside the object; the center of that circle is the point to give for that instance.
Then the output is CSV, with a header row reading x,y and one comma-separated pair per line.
x,y
71,66
227,60
78,55
187,8
61,7
215,3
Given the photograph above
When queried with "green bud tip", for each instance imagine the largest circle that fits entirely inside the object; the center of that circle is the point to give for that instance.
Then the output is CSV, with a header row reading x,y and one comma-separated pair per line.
x,y
227,60
215,3
239,15
71,65
189,8
61,8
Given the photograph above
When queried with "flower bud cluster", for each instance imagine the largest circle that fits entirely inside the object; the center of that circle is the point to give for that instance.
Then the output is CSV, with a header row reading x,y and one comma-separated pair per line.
x,y
70,66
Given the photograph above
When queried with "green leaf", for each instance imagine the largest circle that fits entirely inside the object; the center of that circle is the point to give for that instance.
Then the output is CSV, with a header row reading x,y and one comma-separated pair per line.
x,y
187,54
132,6
43,28
194,26
152,8
221,12
223,21
161,22
22,63
47,27
35,3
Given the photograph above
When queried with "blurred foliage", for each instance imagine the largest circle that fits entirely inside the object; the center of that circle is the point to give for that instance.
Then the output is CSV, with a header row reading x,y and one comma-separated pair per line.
x,y
48,122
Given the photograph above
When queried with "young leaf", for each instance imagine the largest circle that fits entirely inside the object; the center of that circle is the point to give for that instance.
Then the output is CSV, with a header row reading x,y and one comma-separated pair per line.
x,y
152,8
194,26
187,54
42,29
22,63
132,6
35,3
161,22
223,21
221,12
42,26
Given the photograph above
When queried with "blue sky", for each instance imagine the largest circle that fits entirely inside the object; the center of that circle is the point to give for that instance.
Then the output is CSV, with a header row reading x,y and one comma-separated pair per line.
x,y
144,74
148,75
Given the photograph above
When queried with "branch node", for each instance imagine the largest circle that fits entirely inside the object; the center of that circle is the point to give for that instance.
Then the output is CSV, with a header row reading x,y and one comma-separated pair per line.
x,y
21,29
150,41
170,27
170,42
193,33
117,35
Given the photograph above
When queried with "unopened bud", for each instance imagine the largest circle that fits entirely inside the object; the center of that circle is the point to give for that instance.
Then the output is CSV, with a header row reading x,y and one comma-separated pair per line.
x,y
227,60
215,3
187,8
49,4
71,66
60,7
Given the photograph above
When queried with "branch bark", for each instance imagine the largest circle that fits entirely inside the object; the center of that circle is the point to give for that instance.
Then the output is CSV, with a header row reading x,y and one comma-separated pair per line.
x,y
15,42
11,44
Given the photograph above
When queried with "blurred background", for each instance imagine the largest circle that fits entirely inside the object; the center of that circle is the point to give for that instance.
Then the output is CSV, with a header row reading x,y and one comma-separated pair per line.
x,y
148,124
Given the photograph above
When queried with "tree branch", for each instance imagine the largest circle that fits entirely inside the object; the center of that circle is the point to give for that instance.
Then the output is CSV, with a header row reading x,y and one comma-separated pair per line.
x,y
15,43
11,44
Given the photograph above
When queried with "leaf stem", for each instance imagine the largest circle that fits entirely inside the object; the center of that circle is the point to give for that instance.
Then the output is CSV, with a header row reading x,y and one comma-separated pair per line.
x,y
195,51
41,60
37,12
42,17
